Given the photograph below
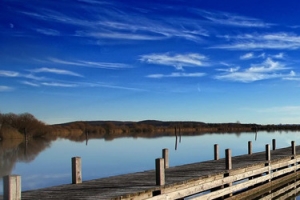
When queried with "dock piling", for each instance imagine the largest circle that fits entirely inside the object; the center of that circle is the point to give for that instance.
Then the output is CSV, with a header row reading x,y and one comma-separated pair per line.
x,y
249,147
165,155
273,144
76,170
216,152
228,162
12,187
293,148
160,171
268,152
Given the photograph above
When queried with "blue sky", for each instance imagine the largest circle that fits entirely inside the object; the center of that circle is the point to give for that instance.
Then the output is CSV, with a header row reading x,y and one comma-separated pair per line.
x,y
204,60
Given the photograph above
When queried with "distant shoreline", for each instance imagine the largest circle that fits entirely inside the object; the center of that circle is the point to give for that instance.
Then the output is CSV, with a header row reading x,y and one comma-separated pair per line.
x,y
25,126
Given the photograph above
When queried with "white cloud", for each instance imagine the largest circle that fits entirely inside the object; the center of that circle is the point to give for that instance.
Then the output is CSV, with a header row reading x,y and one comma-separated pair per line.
x,y
55,84
120,36
55,71
5,88
267,66
50,32
179,61
247,56
30,83
175,75
230,69
266,70
113,23
9,73
262,55
230,19
83,63
117,87
262,41
279,56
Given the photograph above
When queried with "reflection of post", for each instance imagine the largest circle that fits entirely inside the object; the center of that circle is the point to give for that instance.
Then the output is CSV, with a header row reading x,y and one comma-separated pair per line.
x,y
26,136
176,141
179,135
25,149
255,135
86,137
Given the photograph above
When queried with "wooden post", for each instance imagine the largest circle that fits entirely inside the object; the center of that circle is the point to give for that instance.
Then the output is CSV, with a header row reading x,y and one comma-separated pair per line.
x,y
273,144
228,159
249,147
160,171
165,155
216,152
12,187
293,148
76,170
268,152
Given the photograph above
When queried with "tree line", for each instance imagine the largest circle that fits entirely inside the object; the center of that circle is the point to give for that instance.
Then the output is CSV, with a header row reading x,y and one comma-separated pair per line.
x,y
19,126
25,125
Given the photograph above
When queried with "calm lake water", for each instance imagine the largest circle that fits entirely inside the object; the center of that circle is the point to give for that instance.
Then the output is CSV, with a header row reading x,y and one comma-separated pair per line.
x,y
47,163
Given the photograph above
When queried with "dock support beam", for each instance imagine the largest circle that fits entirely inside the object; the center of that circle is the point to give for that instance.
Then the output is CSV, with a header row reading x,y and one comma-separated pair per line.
x,y
268,152
160,171
12,187
216,152
76,170
249,147
165,155
228,163
273,144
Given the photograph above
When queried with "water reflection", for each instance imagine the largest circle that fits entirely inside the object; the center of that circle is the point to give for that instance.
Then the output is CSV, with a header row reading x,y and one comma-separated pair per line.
x,y
46,162
13,151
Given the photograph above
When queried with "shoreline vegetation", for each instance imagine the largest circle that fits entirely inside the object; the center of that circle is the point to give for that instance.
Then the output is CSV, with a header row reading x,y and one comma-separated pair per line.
x,y
25,126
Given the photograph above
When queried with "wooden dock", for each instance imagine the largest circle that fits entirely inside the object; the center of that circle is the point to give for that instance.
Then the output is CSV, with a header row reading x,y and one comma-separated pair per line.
x,y
227,177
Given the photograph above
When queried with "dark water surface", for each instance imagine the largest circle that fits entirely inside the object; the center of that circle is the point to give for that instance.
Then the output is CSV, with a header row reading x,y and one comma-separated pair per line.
x,y
43,163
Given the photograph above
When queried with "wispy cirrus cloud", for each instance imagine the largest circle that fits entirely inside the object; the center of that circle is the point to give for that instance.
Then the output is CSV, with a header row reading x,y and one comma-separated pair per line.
x,y
269,69
4,88
105,85
280,40
118,22
30,83
9,73
179,61
92,64
50,32
231,19
55,71
176,75
282,109
58,84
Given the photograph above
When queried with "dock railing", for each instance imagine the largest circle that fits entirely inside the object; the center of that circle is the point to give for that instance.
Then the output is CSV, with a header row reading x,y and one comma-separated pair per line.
x,y
233,176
